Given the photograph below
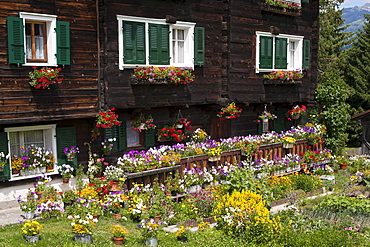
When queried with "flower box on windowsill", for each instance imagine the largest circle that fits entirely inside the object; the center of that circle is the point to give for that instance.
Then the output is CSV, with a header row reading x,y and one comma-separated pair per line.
x,y
147,82
280,10
281,82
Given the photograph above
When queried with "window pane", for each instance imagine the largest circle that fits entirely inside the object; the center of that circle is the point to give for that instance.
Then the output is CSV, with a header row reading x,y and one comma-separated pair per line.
x,y
292,54
34,137
28,29
39,43
39,29
28,47
174,51
178,46
132,135
181,52
14,144
180,34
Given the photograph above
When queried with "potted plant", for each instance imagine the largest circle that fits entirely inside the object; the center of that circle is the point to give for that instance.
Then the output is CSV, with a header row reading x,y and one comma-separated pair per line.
x,y
143,124
3,160
107,145
66,171
69,197
288,141
214,154
31,231
71,152
343,162
42,184
43,78
28,206
107,119
82,226
95,165
119,232
265,116
199,135
182,234
231,111
183,122
115,175
149,230
16,165
296,112
171,134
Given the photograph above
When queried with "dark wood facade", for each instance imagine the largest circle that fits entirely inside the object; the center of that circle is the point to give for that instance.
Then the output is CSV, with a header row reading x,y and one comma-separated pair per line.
x,y
71,104
93,80
229,72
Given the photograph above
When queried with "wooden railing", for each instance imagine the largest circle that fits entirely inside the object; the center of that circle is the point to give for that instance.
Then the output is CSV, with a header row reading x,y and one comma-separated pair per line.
x,y
269,152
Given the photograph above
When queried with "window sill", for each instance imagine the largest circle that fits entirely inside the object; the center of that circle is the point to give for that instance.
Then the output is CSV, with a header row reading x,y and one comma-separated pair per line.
x,y
280,10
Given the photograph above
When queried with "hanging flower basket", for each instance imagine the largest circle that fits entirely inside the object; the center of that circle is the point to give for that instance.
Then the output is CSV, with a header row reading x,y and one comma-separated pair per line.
x,y
143,124
107,119
266,116
296,112
231,111
43,78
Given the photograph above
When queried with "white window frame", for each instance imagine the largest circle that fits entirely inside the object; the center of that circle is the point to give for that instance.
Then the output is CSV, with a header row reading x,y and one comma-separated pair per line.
x,y
188,46
50,137
51,37
290,38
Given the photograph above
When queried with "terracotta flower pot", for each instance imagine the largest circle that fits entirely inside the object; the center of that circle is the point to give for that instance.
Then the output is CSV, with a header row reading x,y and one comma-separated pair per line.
x,y
118,241
117,216
65,180
343,166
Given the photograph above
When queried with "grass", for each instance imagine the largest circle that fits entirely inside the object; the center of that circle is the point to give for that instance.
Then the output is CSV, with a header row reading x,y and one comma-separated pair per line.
x,y
57,232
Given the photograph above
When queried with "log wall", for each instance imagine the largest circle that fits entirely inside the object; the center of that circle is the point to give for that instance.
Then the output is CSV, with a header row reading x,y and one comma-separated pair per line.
x,y
78,95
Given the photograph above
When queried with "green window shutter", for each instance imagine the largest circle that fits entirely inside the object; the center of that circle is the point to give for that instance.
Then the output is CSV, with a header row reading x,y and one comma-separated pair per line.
x,y
159,44
306,54
63,43
110,133
281,53
122,137
149,138
134,42
16,40
279,122
66,137
199,46
265,52
5,173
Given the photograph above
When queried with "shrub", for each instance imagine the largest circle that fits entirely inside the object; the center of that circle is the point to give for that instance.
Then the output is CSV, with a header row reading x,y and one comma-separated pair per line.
x,y
243,214
305,182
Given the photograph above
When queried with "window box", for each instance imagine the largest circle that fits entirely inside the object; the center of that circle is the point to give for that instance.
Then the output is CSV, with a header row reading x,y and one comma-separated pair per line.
x,y
280,10
281,82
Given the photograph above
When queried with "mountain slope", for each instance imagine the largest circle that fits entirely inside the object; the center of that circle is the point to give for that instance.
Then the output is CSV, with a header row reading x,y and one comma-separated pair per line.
x,y
354,16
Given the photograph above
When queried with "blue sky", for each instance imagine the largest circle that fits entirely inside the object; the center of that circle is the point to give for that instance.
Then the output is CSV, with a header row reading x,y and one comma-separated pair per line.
x,y
352,3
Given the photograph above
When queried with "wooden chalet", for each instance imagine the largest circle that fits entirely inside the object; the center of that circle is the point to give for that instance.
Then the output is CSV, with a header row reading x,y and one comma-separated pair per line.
x,y
363,119
229,44
52,34
98,44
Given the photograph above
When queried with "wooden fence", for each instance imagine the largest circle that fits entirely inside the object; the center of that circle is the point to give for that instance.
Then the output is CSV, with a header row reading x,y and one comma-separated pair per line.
x,y
269,152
